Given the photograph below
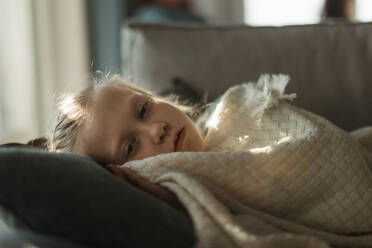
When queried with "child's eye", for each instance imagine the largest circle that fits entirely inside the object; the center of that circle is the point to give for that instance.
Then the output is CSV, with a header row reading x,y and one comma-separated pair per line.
x,y
143,110
131,147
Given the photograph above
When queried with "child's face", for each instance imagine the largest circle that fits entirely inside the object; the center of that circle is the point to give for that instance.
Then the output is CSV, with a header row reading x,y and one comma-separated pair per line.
x,y
126,125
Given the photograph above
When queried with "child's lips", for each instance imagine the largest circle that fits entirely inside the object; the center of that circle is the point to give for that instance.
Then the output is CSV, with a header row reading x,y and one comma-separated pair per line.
x,y
178,141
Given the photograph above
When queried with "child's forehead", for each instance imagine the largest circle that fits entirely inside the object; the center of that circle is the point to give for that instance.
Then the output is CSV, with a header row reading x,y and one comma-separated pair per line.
x,y
110,99
115,92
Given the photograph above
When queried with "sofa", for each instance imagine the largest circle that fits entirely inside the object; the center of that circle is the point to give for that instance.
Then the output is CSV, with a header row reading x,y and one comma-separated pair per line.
x,y
66,200
329,64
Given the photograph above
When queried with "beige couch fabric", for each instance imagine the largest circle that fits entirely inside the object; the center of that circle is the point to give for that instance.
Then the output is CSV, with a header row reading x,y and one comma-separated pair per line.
x,y
329,64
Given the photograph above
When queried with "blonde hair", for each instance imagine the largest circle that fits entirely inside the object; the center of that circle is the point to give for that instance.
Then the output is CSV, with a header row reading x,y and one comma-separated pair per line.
x,y
73,111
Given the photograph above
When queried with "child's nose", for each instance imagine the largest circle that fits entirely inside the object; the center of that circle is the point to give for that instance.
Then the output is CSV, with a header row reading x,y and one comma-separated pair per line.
x,y
158,132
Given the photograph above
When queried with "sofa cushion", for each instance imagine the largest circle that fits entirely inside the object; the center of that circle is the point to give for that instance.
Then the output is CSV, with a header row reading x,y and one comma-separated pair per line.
x,y
18,239
329,63
72,197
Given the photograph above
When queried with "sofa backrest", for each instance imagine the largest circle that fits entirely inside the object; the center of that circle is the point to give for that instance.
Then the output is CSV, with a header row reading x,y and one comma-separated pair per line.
x,y
329,64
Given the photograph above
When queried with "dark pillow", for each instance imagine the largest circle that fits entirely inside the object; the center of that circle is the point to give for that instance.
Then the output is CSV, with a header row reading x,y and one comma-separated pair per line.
x,y
72,197
23,239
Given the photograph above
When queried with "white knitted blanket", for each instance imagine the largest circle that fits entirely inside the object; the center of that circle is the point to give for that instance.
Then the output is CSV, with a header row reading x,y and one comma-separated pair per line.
x,y
276,175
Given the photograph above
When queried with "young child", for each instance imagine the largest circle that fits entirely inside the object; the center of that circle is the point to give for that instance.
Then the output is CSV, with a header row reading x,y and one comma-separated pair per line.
x,y
114,122
287,166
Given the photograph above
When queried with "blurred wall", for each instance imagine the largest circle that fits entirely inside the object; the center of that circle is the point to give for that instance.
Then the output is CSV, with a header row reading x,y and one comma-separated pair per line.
x,y
44,52
62,52
18,111
105,20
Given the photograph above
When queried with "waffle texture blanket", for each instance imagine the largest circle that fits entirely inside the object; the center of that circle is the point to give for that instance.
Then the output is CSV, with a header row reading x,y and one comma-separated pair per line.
x,y
274,175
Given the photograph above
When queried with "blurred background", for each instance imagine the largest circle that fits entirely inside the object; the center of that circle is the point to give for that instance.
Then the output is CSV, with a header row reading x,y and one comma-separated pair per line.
x,y
49,47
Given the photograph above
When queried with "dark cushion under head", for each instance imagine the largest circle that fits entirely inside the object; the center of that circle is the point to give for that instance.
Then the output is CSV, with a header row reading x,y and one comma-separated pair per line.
x,y
72,197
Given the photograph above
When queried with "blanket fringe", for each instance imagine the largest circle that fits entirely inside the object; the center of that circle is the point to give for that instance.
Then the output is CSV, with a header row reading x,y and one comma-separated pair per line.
x,y
273,87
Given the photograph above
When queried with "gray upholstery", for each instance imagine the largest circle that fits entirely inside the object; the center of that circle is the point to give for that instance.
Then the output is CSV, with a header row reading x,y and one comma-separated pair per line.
x,y
22,239
330,64
71,197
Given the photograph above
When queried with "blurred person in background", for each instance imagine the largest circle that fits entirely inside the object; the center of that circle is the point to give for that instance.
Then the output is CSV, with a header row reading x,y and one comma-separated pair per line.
x,y
339,11
159,11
